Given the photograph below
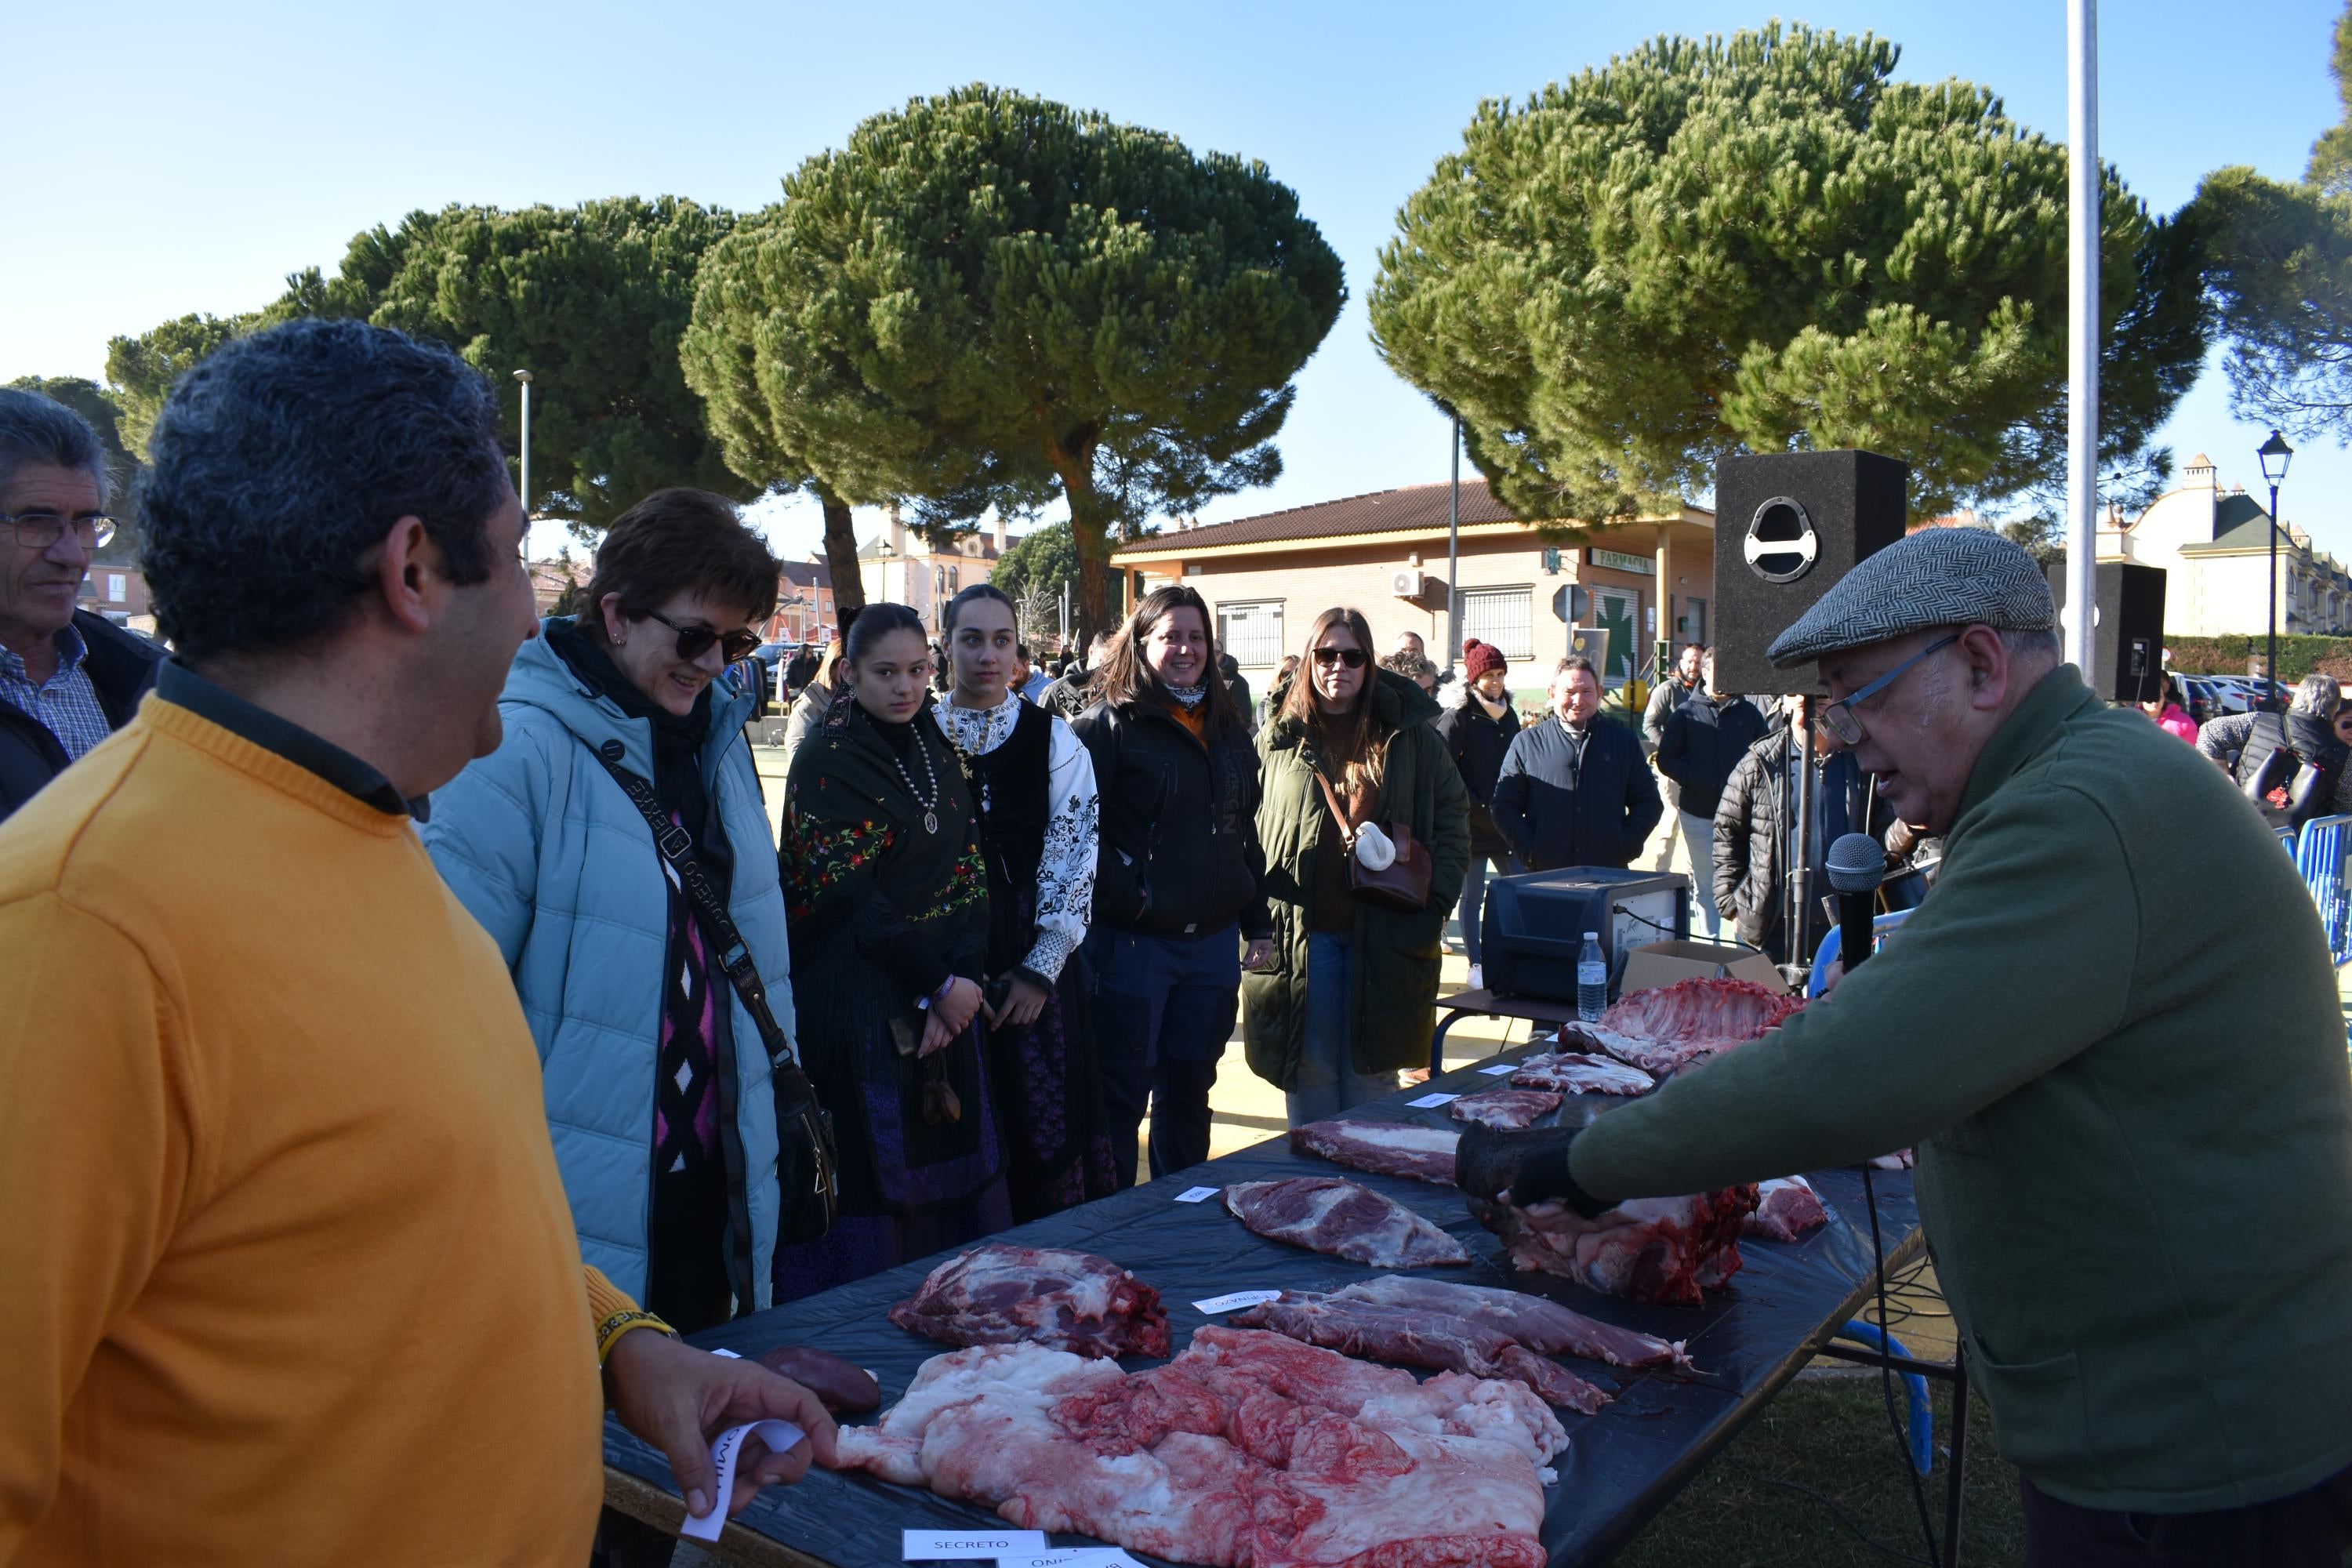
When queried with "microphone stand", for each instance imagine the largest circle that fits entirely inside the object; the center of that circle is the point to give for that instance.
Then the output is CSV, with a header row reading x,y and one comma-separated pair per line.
x,y
1798,840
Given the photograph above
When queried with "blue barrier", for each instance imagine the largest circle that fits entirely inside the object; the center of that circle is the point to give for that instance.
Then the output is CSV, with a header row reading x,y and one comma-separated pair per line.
x,y
1879,926
2319,861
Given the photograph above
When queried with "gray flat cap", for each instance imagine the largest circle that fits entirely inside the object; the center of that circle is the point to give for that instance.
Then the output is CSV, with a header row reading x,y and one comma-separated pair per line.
x,y
1935,577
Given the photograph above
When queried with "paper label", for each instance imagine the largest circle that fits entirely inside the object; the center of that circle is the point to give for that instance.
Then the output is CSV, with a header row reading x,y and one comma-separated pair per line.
x,y
778,1436
963,1545
1235,1302
1499,1069
1197,1195
1429,1100
1074,1557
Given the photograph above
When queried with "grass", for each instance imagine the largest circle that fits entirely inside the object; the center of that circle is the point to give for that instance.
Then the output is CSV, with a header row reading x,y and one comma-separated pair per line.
x,y
1828,1437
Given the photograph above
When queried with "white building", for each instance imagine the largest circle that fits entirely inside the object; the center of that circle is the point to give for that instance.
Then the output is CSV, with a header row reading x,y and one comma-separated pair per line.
x,y
900,566
2214,546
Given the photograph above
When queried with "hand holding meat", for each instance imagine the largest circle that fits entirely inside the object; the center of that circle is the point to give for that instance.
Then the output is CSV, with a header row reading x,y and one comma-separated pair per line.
x,y
1522,1166
678,1398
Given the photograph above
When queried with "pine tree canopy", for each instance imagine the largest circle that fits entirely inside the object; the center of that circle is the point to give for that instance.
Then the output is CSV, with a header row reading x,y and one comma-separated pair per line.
x,y
1766,242
985,299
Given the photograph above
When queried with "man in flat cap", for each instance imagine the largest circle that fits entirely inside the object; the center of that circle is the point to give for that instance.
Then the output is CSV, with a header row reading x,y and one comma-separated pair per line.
x,y
2111,1031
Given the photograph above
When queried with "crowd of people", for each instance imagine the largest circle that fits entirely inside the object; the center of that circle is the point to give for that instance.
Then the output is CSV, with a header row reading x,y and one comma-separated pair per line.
x,y
444,1039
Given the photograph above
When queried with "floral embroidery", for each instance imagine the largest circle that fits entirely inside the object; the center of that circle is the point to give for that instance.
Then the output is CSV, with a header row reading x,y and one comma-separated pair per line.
x,y
820,856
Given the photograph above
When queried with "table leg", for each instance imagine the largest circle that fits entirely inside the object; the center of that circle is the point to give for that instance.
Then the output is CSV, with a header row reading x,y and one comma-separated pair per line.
x,y
1955,1491
1437,1040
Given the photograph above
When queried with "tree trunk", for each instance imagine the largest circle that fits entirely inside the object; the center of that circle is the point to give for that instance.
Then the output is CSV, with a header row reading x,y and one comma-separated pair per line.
x,y
841,557
1074,460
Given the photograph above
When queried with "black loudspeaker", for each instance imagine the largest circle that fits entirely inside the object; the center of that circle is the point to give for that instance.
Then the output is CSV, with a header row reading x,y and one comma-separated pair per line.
x,y
1788,525
2127,637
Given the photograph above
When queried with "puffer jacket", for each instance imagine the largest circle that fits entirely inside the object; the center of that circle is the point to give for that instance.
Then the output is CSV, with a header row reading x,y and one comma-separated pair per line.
x,y
1479,745
1749,820
1394,977
1179,854
543,848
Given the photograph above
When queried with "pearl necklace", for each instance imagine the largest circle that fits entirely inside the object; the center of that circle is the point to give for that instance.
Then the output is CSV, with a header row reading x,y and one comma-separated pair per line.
x,y
930,777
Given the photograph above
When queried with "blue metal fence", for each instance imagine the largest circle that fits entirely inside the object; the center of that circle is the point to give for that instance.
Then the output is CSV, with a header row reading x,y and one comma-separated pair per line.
x,y
2319,854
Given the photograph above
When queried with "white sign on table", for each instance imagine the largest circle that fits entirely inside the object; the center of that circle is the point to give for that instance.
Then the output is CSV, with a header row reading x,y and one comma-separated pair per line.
x,y
1499,1069
970,1546
1430,1101
1235,1302
1197,1195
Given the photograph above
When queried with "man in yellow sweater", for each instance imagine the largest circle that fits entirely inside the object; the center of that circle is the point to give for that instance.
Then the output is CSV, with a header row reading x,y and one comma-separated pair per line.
x,y
286,1270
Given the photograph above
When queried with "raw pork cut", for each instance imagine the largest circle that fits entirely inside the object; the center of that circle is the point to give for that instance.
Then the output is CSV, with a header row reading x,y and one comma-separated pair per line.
x,y
1325,1214
1899,1161
1651,1249
1247,1451
1383,1148
1671,1026
1416,1337
1576,1072
1787,1207
1507,1107
1067,1300
1543,1326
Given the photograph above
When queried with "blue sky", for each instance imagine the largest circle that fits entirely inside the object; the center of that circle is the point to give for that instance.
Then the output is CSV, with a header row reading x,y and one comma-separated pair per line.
x,y
186,158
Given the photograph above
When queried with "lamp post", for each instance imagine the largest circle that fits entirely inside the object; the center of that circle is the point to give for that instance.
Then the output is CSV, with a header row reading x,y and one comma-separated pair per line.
x,y
1453,557
2274,454
523,494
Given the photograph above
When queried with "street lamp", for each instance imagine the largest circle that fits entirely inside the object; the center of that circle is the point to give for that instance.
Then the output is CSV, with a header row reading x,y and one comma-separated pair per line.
x,y
524,377
2274,454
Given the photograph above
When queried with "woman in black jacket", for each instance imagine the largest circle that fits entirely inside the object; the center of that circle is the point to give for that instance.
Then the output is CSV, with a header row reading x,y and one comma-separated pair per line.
x,y
1477,727
1179,879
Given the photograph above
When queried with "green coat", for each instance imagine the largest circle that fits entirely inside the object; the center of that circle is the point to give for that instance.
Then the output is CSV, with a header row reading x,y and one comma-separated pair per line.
x,y
2111,1031
1395,973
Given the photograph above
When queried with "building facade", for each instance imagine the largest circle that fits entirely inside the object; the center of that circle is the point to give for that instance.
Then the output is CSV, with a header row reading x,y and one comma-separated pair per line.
x,y
2214,545
803,603
1267,577
902,567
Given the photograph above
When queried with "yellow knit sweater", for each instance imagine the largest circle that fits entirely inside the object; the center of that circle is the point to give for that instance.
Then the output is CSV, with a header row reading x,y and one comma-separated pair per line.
x,y
285,1272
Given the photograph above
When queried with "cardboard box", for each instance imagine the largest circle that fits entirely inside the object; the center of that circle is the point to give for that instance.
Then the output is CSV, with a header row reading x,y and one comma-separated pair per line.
x,y
1665,962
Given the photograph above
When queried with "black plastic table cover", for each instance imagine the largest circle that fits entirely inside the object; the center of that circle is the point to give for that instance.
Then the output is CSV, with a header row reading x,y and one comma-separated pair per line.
x,y
1621,1467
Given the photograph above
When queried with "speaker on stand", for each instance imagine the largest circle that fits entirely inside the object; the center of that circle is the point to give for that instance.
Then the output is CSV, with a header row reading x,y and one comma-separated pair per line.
x,y
1787,527
2126,629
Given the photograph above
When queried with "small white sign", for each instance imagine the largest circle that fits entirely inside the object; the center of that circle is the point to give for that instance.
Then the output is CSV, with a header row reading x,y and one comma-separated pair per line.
x,y
967,1546
1429,1100
1235,1302
778,1435
1198,1195
1499,1069
1074,1557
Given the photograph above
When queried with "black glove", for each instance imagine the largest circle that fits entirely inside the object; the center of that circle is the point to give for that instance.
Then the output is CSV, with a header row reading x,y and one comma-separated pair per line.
x,y
1529,1166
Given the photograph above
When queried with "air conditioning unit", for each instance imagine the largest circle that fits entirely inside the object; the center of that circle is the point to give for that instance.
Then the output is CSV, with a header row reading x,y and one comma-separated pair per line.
x,y
1406,583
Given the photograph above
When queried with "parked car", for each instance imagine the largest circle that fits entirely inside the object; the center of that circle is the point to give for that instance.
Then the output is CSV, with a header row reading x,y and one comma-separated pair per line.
x,y
775,658
2209,698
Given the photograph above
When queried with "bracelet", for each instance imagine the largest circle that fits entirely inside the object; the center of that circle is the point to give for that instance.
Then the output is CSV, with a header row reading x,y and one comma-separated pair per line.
x,y
609,1332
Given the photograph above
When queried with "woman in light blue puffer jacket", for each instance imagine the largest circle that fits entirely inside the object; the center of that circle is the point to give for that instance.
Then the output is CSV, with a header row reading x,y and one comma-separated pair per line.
x,y
656,1081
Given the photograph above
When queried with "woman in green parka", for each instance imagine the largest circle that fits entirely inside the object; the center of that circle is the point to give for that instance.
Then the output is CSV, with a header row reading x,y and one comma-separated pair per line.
x,y
1348,996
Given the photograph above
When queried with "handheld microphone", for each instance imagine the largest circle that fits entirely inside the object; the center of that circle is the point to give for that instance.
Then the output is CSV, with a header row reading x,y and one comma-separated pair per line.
x,y
1856,864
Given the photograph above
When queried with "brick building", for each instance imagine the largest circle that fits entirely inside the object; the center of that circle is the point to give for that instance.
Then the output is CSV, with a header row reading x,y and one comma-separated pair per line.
x,y
803,603
115,592
1268,577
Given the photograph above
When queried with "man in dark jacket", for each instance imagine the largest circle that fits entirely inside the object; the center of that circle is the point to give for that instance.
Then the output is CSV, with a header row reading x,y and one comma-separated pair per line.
x,y
68,678
1477,727
1572,792
1073,688
1703,740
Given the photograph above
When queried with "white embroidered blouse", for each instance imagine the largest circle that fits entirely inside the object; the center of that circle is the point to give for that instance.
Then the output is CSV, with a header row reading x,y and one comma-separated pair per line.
x,y
1066,869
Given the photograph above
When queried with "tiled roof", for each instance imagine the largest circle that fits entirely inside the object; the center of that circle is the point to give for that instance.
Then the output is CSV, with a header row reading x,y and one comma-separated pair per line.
x,y
1410,509
806,574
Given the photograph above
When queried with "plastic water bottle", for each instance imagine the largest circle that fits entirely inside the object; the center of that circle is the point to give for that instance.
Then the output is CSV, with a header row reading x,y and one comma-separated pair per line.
x,y
1591,980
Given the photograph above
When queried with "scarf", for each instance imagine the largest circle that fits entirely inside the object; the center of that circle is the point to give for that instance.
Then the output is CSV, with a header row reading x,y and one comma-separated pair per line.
x,y
1190,695
1494,710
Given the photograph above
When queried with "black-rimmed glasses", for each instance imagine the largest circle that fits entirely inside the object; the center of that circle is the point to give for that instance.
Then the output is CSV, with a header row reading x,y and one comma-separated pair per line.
x,y
693,642
1837,721
39,530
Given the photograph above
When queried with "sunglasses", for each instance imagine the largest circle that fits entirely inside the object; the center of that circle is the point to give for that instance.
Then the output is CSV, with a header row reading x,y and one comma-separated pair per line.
x,y
693,642
1353,658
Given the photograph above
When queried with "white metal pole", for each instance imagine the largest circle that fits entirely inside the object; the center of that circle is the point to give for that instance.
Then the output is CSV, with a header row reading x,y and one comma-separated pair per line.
x,y
523,491
1454,558
2082,328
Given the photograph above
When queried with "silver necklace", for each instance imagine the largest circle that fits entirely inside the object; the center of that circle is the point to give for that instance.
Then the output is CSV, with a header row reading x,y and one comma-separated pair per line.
x,y
930,777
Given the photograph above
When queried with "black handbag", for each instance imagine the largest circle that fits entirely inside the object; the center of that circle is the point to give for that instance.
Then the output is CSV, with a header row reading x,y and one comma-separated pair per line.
x,y
807,1165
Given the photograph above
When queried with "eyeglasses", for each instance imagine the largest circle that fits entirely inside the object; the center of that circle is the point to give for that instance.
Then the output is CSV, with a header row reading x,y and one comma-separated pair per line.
x,y
1837,721
1353,658
693,642
39,530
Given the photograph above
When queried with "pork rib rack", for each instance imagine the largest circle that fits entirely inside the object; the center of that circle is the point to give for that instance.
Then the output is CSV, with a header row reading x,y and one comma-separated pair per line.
x,y
1507,1107
1671,1026
1383,1148
1247,1451
1579,1072
1045,1296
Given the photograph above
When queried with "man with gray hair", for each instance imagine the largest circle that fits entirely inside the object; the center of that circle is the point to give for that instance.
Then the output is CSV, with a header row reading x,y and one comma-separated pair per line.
x,y
68,678
2111,1030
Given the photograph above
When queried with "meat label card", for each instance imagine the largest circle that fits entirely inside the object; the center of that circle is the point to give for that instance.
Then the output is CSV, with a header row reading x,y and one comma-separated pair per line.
x,y
1499,1069
1197,1195
1235,1302
1074,1557
962,1545
1429,1100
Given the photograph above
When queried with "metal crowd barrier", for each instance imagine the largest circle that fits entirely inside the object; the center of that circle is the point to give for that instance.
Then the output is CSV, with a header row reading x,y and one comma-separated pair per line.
x,y
2319,859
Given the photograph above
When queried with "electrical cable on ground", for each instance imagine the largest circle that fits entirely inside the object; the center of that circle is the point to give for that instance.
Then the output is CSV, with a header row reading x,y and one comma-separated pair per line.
x,y
1886,1371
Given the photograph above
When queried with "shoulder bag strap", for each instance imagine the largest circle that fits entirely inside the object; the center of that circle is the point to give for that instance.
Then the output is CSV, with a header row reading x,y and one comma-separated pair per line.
x,y
1331,799
677,847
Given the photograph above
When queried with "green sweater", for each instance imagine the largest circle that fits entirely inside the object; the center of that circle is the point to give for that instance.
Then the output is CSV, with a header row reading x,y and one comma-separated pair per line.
x,y
2112,1033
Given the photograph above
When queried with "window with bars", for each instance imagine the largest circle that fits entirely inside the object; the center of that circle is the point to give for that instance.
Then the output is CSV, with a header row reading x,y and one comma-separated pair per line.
x,y
1252,633
1503,617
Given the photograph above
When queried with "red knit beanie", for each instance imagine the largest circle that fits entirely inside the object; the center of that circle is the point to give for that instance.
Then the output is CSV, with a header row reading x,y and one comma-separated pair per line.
x,y
1479,657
